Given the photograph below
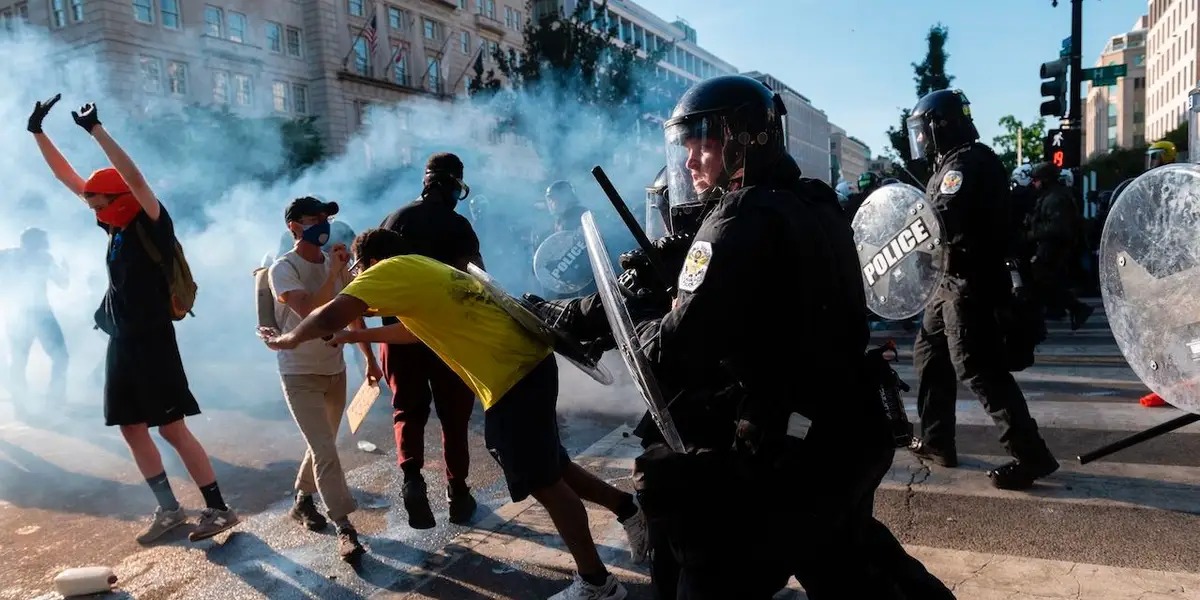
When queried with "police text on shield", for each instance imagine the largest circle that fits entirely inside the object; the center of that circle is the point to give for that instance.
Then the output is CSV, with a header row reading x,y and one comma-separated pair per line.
x,y
895,250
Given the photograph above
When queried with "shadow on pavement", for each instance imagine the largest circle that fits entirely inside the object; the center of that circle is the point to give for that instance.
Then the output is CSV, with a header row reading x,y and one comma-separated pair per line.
x,y
29,481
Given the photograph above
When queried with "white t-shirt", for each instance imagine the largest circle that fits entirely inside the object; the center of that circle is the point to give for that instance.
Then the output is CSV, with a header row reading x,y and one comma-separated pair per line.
x,y
289,273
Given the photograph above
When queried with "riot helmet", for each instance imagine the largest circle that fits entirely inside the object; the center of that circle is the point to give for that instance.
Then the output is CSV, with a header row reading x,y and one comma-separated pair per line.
x,y
658,207
1044,174
1193,104
1067,178
940,122
725,133
843,191
560,196
1022,176
1160,153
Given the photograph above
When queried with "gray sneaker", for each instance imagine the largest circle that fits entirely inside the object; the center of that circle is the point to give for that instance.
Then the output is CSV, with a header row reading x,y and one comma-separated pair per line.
x,y
213,522
164,521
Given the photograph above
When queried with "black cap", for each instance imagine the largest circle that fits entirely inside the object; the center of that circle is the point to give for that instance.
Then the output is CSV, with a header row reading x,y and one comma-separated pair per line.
x,y
309,207
445,162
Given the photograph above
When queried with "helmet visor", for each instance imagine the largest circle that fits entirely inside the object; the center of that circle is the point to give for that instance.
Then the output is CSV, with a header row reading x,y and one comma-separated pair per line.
x,y
695,157
918,137
1155,157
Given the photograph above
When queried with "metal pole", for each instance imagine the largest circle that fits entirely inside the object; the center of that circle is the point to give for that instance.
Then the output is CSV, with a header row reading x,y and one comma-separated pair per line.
x,y
1076,113
1020,130
1137,438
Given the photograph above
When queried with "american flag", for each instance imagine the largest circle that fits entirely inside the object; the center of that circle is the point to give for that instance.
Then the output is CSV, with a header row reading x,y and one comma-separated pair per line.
x,y
369,33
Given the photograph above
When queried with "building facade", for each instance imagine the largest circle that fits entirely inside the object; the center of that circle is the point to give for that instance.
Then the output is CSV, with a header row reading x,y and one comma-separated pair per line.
x,y
807,129
849,157
1173,57
1115,115
286,57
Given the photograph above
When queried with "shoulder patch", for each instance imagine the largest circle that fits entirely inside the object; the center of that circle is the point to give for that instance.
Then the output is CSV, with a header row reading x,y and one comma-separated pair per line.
x,y
951,182
695,266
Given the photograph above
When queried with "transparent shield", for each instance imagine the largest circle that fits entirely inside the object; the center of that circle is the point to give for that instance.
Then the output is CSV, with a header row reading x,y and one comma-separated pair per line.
x,y
1150,281
521,312
560,263
656,221
898,235
626,336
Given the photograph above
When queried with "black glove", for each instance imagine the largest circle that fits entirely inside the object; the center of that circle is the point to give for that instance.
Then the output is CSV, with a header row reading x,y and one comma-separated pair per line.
x,y
560,314
671,249
40,110
87,117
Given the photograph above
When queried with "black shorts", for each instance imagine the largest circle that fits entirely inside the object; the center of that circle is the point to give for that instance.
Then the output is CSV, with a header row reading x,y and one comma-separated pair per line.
x,y
521,432
144,380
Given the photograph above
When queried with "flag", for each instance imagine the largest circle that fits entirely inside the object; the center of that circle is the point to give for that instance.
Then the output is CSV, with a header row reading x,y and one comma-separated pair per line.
x,y
369,33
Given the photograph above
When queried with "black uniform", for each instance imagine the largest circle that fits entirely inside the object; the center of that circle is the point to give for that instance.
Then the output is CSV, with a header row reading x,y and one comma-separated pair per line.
x,y
960,335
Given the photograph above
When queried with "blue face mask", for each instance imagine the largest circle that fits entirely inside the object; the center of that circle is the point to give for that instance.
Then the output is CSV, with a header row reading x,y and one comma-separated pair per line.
x,y
316,234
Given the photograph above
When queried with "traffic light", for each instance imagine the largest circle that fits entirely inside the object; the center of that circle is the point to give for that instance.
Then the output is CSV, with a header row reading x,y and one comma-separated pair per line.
x,y
1062,147
1054,88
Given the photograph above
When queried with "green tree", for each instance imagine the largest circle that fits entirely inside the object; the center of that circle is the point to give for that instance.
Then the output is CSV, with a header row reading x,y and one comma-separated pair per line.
x,y
1030,135
930,76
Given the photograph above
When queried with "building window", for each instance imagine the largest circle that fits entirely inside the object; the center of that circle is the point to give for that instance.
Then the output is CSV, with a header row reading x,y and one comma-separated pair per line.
x,y
151,74
465,42
431,28
299,99
395,19
362,57
294,42
214,25
170,13
360,112
435,76
237,27
143,11
355,7
6,18
462,4
486,8
221,87
279,93
177,78
243,87
77,11
58,13
274,37
1139,60
23,11
400,64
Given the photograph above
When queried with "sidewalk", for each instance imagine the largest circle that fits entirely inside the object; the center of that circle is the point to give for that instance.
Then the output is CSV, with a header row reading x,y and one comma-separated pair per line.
x,y
518,555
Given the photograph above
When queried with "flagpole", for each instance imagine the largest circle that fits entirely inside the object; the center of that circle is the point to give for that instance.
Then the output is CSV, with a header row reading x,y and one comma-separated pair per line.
x,y
346,58
441,54
470,63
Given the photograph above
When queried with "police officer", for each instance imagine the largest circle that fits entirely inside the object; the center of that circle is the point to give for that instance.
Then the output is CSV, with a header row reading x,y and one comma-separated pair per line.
x,y
1054,230
960,335
867,182
416,375
563,205
1158,154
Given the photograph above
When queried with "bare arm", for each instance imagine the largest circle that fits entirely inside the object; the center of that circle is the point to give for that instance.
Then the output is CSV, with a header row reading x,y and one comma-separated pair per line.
x,y
364,346
390,334
62,169
322,322
303,303
129,172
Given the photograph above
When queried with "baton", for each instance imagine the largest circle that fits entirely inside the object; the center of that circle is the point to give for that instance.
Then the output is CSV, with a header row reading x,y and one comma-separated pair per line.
x,y
1137,438
635,228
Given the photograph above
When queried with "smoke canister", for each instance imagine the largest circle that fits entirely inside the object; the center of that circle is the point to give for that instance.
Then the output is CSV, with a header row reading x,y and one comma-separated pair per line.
x,y
85,580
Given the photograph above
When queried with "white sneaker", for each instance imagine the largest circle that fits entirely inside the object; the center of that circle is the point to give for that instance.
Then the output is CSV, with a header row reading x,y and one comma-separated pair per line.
x,y
582,590
164,521
639,536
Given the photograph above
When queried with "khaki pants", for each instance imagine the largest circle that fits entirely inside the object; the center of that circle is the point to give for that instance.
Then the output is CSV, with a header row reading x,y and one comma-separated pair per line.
x,y
317,403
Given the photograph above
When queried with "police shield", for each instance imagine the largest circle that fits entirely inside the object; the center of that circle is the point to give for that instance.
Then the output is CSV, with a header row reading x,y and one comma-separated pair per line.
x,y
560,263
898,236
521,312
1150,280
625,335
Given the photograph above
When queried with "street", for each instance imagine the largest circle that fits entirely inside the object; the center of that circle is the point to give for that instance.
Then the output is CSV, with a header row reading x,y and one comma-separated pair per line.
x,y
77,500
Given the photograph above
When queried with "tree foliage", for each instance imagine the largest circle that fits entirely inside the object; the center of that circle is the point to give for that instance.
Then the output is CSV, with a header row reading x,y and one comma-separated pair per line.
x,y
1031,136
929,76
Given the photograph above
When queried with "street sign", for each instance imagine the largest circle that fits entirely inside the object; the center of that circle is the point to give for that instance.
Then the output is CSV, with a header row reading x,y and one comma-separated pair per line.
x,y
1062,147
1104,82
1104,74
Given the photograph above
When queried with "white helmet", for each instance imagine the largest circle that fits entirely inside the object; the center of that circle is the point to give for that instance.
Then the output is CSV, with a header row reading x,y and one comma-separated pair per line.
x,y
1066,177
843,190
1023,175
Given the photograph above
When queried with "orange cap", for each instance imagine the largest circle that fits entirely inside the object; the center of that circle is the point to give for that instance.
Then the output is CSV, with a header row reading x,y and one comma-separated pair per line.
x,y
106,181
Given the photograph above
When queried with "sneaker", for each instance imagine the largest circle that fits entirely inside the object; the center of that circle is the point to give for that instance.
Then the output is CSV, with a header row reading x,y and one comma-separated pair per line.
x,y
416,503
582,590
462,505
944,458
164,521
348,546
639,537
213,522
305,512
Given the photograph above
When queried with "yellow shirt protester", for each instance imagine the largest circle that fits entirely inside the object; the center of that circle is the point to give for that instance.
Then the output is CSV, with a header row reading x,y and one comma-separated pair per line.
x,y
452,313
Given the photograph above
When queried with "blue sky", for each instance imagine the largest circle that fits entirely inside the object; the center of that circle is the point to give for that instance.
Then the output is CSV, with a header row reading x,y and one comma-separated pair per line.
x,y
852,57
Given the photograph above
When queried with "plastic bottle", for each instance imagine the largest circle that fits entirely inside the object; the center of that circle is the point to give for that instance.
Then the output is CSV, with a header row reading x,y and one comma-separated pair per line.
x,y
85,580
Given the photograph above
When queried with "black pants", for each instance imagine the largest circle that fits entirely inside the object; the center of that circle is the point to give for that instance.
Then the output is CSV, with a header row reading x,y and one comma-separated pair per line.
x,y
1051,270
960,339
37,324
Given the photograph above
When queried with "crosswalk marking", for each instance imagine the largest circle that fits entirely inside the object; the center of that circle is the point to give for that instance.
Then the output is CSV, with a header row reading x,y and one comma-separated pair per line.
x,y
1090,415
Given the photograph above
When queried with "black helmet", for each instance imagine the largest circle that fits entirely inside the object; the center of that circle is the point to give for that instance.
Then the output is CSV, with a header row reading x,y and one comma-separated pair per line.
x,y
658,205
1045,171
742,117
940,122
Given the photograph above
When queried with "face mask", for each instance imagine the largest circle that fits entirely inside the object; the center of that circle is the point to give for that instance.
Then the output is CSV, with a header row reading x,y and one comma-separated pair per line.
x,y
120,212
316,234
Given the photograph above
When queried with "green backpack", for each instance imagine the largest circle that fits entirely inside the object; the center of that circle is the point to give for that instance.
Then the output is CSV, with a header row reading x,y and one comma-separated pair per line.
x,y
183,287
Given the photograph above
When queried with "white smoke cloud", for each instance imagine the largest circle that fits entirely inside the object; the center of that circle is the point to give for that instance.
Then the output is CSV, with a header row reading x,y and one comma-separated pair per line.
x,y
225,233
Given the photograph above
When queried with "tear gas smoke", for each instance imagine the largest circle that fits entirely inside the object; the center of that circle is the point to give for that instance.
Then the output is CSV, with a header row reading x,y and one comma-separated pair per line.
x,y
227,223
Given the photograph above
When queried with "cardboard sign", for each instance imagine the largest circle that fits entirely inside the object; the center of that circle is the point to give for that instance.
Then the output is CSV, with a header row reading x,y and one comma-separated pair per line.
x,y
361,404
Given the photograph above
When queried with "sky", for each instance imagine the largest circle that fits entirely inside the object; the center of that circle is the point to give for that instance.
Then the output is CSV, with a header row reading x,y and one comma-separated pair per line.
x,y
852,58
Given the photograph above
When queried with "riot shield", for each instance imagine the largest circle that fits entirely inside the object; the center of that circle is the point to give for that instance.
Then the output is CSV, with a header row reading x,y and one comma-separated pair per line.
x,y
1149,254
625,335
560,263
521,312
898,235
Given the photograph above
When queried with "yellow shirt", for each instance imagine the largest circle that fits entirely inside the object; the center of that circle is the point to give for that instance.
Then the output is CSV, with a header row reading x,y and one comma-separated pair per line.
x,y
452,313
